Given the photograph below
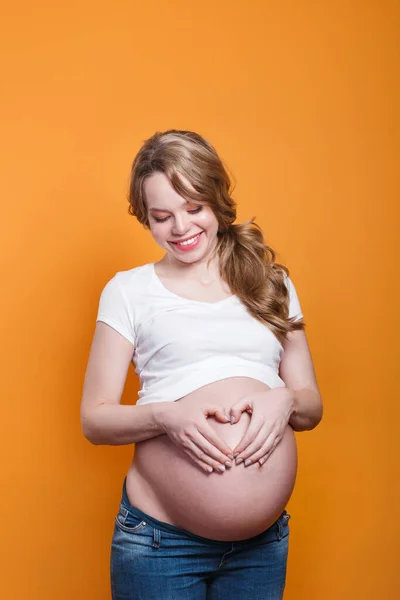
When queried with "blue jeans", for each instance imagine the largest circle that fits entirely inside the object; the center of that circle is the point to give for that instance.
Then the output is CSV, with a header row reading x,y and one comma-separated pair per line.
x,y
153,560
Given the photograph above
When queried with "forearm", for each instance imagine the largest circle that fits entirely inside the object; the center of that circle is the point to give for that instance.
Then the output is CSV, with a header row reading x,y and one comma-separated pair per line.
x,y
307,409
119,424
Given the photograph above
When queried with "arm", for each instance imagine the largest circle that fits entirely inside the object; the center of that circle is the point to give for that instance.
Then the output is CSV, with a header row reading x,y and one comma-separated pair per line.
x,y
103,419
115,424
297,371
307,409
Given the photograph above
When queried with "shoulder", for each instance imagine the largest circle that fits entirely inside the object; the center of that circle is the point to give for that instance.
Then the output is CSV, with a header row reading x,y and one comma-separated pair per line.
x,y
133,280
127,285
122,296
288,282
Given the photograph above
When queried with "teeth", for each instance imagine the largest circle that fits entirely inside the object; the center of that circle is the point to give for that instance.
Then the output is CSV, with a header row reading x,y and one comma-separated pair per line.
x,y
188,241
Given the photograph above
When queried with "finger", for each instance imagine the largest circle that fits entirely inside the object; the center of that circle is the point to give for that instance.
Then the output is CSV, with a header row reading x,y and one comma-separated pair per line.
x,y
201,448
192,451
240,407
203,465
213,444
209,449
269,452
220,415
236,413
199,455
246,456
249,436
219,412
266,449
255,446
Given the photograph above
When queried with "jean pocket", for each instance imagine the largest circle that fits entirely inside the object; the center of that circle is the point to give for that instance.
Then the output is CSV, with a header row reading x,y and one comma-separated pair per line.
x,y
129,522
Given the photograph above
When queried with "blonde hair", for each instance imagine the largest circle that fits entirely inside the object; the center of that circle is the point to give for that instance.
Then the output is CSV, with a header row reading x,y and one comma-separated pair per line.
x,y
246,263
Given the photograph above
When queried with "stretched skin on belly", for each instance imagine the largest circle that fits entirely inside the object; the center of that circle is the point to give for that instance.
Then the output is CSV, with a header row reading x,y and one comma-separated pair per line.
x,y
237,504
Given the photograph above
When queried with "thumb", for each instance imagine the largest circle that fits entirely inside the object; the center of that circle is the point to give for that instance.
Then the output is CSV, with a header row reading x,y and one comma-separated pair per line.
x,y
237,409
222,415
219,413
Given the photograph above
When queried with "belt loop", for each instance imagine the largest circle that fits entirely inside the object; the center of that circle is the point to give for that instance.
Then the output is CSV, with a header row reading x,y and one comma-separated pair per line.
x,y
279,534
156,538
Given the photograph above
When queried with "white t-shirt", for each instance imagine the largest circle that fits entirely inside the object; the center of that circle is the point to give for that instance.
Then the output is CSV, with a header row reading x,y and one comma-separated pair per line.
x,y
181,344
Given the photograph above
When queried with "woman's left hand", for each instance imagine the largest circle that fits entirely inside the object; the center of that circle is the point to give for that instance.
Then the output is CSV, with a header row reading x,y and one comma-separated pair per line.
x,y
270,412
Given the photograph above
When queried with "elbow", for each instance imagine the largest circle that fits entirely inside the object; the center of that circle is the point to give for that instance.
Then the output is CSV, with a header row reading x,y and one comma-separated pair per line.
x,y
88,431
91,439
317,418
88,434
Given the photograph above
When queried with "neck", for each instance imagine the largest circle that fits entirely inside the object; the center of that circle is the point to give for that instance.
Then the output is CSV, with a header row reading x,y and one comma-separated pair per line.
x,y
198,271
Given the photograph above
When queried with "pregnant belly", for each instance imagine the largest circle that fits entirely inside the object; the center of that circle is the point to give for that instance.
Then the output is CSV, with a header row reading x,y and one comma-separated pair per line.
x,y
241,502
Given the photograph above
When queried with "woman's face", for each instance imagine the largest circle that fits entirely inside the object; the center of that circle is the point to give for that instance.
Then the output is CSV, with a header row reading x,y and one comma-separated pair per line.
x,y
172,220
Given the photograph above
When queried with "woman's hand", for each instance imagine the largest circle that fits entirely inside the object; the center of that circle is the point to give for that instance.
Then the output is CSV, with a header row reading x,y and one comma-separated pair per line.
x,y
186,425
270,412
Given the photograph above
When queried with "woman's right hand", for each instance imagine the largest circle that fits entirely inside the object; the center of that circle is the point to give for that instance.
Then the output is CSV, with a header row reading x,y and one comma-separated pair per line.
x,y
186,425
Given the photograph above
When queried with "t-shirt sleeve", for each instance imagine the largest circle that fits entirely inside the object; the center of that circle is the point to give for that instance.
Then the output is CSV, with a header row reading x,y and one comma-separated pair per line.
x,y
114,310
294,303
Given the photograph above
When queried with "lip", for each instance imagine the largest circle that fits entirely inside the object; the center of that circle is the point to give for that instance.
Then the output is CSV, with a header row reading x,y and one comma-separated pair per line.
x,y
185,240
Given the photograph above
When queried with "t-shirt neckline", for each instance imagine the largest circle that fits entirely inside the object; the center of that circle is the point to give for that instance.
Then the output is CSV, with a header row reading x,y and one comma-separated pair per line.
x,y
170,293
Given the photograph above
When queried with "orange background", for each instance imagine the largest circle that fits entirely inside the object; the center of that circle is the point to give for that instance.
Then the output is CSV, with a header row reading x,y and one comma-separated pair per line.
x,y
301,100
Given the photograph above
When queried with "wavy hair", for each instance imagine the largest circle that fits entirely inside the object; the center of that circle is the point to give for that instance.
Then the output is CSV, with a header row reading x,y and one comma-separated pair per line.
x,y
246,263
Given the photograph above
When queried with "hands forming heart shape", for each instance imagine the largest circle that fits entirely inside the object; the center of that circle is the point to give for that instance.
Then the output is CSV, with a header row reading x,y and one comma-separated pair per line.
x,y
187,427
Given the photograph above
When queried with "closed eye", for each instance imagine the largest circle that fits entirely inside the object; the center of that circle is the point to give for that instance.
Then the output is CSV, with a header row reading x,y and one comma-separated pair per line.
x,y
192,212
195,210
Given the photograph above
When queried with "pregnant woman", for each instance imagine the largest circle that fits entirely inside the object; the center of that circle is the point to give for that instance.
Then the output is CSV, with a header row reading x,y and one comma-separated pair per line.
x,y
215,332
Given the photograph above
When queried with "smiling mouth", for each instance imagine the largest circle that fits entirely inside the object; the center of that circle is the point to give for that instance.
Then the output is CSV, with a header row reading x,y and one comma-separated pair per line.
x,y
188,241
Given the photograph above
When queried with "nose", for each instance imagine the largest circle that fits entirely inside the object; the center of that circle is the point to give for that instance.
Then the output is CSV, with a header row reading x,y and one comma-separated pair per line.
x,y
181,225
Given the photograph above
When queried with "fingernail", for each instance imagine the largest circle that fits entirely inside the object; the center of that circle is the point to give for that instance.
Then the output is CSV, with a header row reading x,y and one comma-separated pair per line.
x,y
232,419
231,456
247,462
228,464
239,460
236,454
221,468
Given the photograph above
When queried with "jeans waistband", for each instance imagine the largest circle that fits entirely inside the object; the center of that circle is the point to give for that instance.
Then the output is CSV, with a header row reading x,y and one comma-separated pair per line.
x,y
168,527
